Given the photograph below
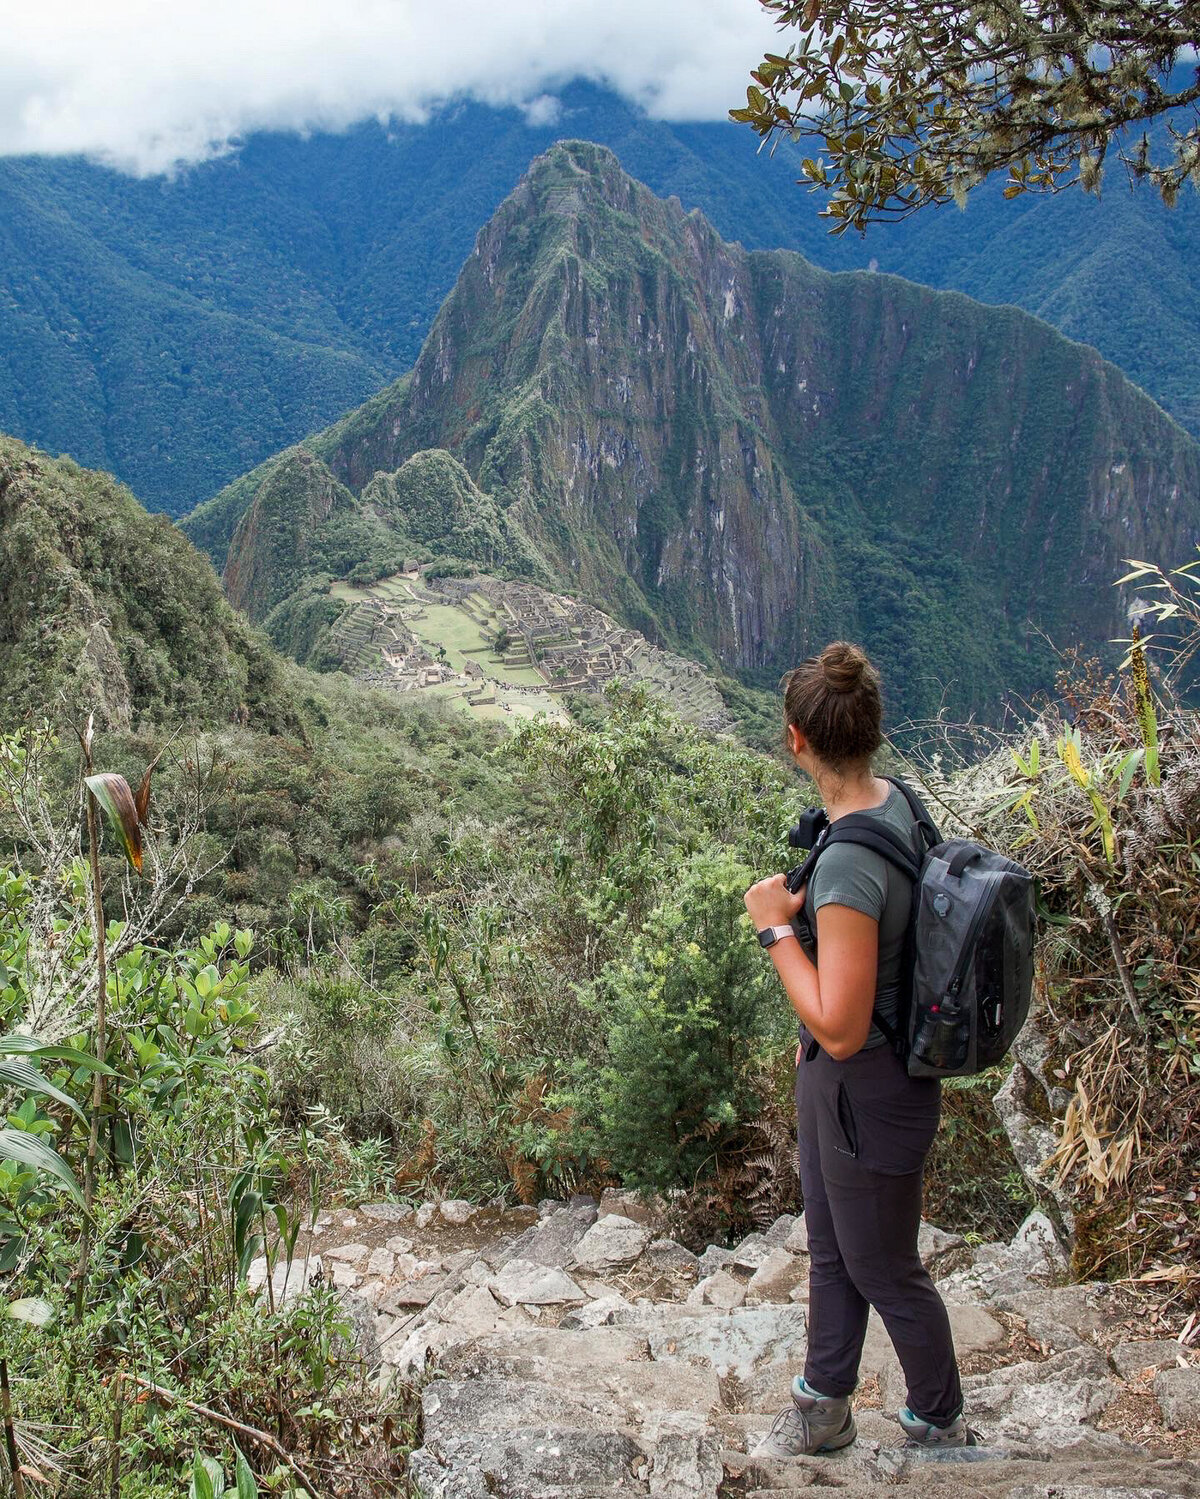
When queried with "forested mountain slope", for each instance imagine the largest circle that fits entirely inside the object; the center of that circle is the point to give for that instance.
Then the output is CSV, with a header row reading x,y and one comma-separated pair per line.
x,y
107,608
179,331
742,453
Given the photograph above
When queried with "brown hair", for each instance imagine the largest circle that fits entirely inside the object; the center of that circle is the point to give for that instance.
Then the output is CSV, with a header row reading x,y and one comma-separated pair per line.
x,y
833,699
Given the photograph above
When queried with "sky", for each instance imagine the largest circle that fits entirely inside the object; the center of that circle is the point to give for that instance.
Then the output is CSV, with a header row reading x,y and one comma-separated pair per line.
x,y
150,85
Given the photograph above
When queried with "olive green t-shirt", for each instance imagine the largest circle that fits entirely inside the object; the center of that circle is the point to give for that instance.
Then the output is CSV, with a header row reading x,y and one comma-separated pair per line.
x,y
847,874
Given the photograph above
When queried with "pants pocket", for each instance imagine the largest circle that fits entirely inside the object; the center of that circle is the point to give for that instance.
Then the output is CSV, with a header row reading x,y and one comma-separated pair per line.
x,y
846,1123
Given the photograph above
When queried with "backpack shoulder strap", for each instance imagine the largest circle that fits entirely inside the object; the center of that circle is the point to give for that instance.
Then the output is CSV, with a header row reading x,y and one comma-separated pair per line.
x,y
929,828
868,832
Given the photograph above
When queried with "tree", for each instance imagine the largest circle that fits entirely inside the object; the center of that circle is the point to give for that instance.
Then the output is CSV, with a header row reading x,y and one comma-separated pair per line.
x,y
917,101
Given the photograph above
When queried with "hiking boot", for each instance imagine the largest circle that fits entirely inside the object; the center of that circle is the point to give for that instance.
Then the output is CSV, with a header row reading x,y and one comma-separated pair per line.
x,y
812,1423
926,1434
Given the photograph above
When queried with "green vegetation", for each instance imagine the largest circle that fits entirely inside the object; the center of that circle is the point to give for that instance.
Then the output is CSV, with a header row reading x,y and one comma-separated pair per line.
x,y
111,607
920,108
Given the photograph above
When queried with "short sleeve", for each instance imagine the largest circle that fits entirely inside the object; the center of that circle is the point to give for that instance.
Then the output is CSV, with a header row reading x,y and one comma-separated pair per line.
x,y
849,875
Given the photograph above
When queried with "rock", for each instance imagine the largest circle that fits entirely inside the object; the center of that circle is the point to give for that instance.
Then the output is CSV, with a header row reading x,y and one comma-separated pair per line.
x,y
363,1342
545,1460
991,1274
1145,1356
1085,1491
751,1252
457,1211
1043,1399
386,1212
933,1242
597,1313
475,1312
685,1464
288,1282
549,1205
739,1343
552,1241
776,1235
642,1207
722,1289
797,1237
410,1293
1035,1249
1178,1394
713,1259
380,1263
603,1363
526,1283
1059,1316
350,1253
344,1277
452,1406
777,1277
423,1217
1021,1103
670,1258
398,1244
611,1241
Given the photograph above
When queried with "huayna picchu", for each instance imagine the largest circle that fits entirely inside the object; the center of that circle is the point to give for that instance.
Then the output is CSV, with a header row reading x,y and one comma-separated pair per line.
x,y
740,454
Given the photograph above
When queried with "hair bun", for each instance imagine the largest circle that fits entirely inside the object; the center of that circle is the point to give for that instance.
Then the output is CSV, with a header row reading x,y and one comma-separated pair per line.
x,y
843,665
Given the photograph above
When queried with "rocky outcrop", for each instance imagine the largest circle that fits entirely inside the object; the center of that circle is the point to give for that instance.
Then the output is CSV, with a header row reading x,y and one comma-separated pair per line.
x,y
634,1385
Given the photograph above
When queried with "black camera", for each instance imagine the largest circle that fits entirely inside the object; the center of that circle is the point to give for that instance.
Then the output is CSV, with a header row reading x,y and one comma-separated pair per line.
x,y
807,834
813,822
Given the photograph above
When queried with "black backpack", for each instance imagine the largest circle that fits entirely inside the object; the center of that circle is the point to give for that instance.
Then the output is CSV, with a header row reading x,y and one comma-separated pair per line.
x,y
967,974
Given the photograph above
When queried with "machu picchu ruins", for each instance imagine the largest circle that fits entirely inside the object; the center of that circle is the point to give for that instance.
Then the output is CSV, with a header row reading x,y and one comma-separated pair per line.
x,y
505,646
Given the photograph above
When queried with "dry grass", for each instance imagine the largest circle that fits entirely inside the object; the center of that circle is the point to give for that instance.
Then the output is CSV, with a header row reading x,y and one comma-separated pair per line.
x,y
1117,859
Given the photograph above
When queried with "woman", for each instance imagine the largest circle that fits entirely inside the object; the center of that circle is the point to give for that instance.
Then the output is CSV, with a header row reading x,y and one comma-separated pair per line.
x,y
864,1126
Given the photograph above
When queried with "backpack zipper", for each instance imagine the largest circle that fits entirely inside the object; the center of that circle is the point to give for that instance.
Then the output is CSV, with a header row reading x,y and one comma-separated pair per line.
x,y
981,911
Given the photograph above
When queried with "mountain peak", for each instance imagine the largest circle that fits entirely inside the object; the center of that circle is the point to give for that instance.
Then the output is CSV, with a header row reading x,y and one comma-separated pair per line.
x,y
736,451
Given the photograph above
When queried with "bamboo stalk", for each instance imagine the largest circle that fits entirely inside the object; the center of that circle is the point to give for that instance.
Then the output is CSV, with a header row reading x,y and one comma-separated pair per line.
x,y
159,1392
10,1436
98,1080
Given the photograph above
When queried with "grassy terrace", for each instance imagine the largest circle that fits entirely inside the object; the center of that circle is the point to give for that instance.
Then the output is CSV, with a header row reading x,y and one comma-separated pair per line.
x,y
519,690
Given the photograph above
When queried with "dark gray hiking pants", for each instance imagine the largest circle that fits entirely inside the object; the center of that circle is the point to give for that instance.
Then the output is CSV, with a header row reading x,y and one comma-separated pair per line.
x,y
865,1128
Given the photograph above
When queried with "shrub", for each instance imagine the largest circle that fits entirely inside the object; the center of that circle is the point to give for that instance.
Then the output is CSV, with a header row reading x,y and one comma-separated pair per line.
x,y
692,1012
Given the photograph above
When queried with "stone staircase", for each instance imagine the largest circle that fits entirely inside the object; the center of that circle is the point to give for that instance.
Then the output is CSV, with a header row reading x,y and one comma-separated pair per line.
x,y
576,1353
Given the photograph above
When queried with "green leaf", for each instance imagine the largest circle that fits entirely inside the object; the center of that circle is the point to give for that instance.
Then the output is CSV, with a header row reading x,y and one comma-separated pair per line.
x,y
201,1486
246,1486
35,1310
30,1046
21,1075
29,1150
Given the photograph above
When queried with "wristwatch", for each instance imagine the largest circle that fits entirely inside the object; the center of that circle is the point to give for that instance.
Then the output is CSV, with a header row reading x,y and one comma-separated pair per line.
x,y
772,934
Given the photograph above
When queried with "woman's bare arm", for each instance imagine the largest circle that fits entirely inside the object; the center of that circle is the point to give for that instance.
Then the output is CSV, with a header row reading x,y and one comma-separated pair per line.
x,y
835,996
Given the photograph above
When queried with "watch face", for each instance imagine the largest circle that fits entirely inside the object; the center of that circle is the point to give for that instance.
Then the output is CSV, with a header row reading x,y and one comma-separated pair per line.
x,y
768,936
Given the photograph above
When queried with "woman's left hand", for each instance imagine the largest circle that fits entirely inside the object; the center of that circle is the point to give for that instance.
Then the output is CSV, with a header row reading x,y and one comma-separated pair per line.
x,y
771,903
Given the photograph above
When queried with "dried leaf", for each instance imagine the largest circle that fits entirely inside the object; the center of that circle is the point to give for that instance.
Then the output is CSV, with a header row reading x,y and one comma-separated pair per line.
x,y
116,801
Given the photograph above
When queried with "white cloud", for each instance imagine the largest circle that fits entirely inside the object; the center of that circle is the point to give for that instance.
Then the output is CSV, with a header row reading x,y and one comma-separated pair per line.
x,y
149,84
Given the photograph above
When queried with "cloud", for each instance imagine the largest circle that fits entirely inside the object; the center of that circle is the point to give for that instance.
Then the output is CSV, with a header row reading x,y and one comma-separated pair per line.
x,y
149,85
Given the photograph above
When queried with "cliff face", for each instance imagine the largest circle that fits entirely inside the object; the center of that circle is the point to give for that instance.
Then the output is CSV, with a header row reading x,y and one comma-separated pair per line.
x,y
743,453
